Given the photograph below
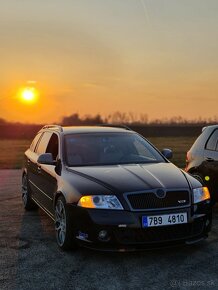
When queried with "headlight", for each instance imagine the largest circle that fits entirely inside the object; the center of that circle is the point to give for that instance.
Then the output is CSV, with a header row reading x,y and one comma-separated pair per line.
x,y
200,194
100,201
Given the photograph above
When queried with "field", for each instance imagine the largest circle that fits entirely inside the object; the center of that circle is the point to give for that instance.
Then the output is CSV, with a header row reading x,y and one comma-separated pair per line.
x,y
11,151
179,145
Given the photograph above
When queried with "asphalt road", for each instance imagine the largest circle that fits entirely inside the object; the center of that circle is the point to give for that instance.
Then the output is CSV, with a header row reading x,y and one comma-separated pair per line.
x,y
30,259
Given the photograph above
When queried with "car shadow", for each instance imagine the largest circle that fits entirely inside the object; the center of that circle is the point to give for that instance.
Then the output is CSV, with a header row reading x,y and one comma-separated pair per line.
x,y
40,259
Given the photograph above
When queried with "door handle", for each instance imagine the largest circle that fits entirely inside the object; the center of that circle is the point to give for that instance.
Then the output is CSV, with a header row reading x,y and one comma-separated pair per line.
x,y
209,159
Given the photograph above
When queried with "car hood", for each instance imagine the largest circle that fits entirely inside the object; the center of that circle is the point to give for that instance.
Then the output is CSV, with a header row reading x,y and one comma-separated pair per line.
x,y
135,177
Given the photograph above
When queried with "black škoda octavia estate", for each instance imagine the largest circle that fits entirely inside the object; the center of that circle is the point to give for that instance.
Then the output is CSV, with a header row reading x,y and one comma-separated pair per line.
x,y
109,188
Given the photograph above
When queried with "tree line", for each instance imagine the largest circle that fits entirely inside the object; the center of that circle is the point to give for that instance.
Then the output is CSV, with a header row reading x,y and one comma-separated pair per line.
x,y
174,126
129,118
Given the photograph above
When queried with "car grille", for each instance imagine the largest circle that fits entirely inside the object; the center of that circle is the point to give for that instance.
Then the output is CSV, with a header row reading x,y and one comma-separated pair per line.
x,y
149,200
159,234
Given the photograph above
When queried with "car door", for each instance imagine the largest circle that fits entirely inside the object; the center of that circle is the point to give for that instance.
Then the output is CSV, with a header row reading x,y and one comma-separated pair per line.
x,y
30,163
47,176
210,164
36,179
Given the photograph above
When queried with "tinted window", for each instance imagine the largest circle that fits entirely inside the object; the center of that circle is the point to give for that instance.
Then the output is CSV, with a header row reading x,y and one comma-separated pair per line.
x,y
141,149
107,148
43,143
212,142
53,146
35,141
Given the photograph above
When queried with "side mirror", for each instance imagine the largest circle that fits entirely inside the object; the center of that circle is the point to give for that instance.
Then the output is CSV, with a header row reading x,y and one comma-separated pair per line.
x,y
46,158
168,153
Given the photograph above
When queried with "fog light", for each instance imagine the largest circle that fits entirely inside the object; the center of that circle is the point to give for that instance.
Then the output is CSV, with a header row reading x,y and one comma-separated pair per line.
x,y
103,236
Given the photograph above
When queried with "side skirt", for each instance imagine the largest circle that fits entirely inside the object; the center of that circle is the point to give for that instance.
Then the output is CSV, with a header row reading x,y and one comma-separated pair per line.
x,y
44,209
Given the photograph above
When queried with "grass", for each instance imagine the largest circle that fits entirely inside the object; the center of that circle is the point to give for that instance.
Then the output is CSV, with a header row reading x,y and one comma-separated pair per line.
x,y
179,145
11,151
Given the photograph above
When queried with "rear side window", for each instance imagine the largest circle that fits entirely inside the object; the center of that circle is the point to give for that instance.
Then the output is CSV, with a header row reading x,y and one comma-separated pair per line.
x,y
43,143
212,142
35,141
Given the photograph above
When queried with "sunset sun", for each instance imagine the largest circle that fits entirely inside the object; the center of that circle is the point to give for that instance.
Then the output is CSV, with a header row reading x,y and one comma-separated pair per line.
x,y
28,95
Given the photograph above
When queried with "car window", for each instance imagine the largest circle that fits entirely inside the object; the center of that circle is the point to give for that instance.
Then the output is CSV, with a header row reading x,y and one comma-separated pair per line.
x,y
53,146
141,149
43,143
109,148
212,142
35,141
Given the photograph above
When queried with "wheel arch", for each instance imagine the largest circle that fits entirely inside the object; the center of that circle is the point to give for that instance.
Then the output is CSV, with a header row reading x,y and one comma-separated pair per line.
x,y
24,171
57,195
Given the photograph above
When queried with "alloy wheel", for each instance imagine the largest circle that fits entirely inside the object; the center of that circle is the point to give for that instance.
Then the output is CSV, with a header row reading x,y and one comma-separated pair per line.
x,y
60,222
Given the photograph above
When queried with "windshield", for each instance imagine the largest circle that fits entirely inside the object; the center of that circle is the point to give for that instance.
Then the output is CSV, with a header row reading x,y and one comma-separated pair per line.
x,y
109,149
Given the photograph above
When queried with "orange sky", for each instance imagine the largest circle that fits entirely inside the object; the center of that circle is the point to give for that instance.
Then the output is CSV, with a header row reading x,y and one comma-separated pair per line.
x,y
96,56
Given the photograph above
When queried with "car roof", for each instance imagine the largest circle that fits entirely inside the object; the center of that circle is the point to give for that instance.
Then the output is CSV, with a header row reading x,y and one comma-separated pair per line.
x,y
93,129
211,127
87,129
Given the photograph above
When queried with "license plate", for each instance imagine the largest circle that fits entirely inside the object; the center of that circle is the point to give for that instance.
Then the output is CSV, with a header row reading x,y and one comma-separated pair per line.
x,y
164,220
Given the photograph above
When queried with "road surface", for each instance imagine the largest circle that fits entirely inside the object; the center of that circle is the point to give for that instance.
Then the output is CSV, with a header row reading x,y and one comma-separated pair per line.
x,y
30,258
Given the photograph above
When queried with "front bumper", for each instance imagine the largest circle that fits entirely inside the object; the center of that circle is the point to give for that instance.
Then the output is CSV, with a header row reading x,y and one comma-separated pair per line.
x,y
124,229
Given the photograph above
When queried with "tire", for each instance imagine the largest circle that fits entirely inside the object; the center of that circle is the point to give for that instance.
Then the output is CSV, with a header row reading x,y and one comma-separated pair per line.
x,y
64,230
28,203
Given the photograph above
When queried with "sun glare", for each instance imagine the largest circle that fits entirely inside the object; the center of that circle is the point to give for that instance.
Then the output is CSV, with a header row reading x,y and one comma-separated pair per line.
x,y
28,95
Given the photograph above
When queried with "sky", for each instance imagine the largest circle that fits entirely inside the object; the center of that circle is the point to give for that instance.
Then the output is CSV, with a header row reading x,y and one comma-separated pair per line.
x,y
154,57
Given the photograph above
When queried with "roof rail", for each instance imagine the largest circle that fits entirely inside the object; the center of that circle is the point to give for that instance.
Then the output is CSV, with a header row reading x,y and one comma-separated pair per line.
x,y
58,127
204,128
116,126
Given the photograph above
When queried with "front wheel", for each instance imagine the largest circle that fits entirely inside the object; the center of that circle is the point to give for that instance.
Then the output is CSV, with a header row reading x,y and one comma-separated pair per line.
x,y
65,234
